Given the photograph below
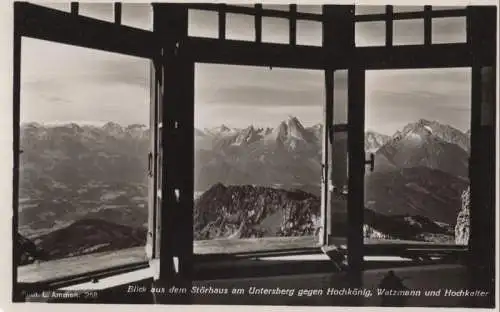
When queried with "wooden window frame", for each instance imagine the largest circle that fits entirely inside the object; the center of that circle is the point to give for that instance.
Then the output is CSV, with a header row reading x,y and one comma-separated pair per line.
x,y
173,55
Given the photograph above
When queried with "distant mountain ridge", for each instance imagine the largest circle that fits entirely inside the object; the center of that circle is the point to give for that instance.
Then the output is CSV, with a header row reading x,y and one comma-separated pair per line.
x,y
423,143
75,173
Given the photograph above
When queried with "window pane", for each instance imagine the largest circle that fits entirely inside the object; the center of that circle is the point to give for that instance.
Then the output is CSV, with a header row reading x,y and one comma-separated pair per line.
x,y
203,23
339,177
337,212
449,30
315,9
370,34
408,32
240,27
417,123
369,9
309,33
257,158
407,8
100,11
275,30
66,7
279,7
137,15
440,8
340,97
83,170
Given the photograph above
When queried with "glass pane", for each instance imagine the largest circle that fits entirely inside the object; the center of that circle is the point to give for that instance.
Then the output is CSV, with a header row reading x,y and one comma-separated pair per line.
x,y
449,30
338,188
440,8
83,170
279,7
257,158
340,97
66,7
275,30
417,123
408,32
337,211
240,27
100,11
369,9
137,15
315,9
309,33
369,34
407,8
203,23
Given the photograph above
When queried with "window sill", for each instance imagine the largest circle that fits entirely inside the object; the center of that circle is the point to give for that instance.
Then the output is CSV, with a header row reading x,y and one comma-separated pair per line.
x,y
281,256
74,270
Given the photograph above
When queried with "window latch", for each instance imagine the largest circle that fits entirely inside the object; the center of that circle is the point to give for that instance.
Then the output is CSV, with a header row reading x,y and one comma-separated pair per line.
x,y
150,164
371,162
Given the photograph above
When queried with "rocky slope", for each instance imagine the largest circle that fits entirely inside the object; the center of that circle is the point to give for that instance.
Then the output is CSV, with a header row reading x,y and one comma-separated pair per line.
x,y
425,144
88,236
415,191
462,227
27,251
247,211
374,141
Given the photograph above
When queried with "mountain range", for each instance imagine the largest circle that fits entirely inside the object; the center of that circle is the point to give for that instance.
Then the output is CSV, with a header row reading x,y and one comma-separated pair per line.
x,y
73,178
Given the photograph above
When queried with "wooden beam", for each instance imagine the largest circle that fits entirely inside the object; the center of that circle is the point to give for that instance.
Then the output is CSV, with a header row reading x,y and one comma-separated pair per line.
x,y
43,23
171,20
327,150
222,21
414,56
118,13
16,119
481,25
293,25
258,23
75,8
355,205
207,50
427,25
389,24
410,15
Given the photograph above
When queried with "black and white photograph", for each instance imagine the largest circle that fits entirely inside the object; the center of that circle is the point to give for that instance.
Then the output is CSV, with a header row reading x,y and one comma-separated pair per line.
x,y
254,154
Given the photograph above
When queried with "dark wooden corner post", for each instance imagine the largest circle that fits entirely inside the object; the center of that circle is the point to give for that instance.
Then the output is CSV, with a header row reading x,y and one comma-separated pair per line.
x,y
177,145
16,109
482,37
356,153
339,49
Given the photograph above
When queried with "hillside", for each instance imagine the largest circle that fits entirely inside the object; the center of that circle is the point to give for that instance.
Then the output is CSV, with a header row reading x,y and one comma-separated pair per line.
x,y
247,211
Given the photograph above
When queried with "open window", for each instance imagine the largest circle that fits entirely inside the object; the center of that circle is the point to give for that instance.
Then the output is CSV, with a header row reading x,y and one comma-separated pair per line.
x,y
82,137
229,186
258,158
417,132
83,190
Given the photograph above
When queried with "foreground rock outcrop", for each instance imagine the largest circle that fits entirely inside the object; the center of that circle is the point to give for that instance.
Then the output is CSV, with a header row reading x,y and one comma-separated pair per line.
x,y
245,211
462,227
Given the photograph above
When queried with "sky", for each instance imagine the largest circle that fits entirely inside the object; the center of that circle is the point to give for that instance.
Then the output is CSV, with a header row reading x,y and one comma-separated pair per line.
x,y
71,84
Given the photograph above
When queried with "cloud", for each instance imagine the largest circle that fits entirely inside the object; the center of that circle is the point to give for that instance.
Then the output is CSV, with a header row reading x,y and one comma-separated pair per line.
x,y
257,96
